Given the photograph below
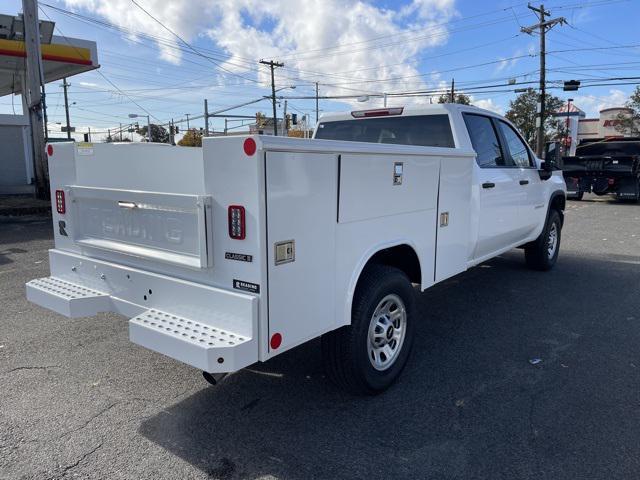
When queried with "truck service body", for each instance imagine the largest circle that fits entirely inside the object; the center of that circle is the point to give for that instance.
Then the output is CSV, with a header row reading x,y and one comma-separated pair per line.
x,y
233,253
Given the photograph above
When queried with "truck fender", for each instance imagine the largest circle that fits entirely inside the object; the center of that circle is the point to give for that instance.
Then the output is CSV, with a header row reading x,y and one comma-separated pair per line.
x,y
360,266
557,195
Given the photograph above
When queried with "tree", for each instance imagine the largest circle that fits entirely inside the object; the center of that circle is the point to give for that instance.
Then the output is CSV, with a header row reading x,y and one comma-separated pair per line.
x,y
192,138
629,123
459,98
158,134
523,113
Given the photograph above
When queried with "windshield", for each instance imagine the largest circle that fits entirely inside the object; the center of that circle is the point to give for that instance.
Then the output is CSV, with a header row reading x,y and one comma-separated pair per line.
x,y
423,130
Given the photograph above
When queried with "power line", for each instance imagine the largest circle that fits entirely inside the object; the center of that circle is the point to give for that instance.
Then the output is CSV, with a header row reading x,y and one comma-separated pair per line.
x,y
98,70
188,45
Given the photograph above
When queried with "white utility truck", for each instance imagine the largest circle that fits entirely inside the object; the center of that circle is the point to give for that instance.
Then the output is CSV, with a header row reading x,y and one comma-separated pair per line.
x,y
230,254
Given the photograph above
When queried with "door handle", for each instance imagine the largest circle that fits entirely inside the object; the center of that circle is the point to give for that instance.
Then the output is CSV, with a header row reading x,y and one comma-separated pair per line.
x,y
488,185
524,182
122,204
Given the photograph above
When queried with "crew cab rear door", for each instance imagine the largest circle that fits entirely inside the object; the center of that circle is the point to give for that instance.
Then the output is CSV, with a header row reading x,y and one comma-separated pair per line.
x,y
532,211
499,191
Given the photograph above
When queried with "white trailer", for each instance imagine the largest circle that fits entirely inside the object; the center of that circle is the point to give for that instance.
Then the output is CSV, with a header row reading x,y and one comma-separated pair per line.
x,y
234,253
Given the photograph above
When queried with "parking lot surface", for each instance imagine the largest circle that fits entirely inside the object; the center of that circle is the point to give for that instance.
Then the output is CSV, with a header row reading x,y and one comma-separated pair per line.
x,y
77,400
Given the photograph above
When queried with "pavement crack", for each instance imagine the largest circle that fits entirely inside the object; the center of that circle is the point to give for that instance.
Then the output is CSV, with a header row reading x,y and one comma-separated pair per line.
x,y
77,462
91,419
33,367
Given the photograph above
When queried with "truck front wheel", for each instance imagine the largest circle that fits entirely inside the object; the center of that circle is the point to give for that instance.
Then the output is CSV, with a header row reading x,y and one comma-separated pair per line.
x,y
542,253
367,356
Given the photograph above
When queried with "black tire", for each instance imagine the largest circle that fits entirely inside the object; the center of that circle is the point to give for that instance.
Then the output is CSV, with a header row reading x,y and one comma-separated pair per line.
x,y
346,351
537,253
577,196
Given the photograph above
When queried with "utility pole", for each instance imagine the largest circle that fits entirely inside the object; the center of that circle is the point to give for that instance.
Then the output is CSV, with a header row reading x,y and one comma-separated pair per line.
x,y
285,127
453,91
187,121
65,86
317,110
120,131
543,26
206,118
273,65
44,111
32,92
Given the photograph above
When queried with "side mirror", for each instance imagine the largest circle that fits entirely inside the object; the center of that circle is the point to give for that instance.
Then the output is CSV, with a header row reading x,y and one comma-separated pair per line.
x,y
552,156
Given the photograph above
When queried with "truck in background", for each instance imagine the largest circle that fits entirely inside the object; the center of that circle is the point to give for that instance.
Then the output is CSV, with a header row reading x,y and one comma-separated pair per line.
x,y
603,167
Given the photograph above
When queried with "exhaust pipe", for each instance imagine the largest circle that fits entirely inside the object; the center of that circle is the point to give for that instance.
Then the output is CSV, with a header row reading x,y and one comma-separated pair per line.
x,y
214,378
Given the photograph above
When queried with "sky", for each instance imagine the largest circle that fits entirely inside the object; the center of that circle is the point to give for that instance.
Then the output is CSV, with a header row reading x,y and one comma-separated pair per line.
x,y
166,57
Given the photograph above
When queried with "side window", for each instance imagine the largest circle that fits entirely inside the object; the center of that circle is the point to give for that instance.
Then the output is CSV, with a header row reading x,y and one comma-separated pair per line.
x,y
484,141
515,147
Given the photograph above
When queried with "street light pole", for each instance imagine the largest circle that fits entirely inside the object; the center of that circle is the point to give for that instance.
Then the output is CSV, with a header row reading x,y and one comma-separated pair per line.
x,y
566,140
135,115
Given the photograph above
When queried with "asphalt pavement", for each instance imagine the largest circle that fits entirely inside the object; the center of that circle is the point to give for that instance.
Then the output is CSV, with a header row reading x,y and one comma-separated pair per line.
x,y
78,400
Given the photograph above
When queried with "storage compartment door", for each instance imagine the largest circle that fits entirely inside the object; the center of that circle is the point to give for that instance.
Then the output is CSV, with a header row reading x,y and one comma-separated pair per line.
x,y
453,231
301,220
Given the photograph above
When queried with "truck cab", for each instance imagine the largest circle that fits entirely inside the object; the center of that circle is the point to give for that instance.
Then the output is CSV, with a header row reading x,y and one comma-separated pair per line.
x,y
509,188
230,254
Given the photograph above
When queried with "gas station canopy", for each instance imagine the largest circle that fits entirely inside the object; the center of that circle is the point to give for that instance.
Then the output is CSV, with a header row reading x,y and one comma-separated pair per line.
x,y
61,56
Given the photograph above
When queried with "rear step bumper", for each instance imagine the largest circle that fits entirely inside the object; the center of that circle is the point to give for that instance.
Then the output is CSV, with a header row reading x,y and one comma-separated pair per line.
x,y
67,298
212,329
202,346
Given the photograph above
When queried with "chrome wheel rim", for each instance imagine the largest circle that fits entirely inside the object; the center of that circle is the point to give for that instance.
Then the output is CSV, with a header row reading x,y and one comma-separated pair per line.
x,y
387,330
552,240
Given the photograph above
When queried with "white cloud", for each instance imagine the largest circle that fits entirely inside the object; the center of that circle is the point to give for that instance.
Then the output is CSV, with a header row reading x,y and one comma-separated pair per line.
x,y
488,104
592,104
304,35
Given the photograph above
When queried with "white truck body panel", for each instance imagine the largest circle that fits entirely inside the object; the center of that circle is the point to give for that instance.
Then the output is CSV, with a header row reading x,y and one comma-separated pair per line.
x,y
146,233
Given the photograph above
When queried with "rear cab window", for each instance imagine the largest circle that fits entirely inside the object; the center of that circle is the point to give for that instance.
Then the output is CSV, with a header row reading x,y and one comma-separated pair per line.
x,y
423,130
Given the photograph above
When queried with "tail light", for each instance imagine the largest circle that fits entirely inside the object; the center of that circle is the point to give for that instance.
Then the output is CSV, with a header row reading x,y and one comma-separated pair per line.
x,y
60,205
612,181
237,222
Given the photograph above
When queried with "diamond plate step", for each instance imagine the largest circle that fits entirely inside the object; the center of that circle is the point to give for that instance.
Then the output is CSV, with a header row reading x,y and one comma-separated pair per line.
x,y
203,346
67,298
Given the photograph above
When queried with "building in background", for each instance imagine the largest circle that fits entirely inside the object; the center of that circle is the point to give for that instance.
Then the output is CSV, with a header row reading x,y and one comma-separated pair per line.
x,y
604,126
577,128
62,57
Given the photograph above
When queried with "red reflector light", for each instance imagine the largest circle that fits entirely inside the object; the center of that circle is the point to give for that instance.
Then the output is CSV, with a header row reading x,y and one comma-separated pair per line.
x,y
49,150
249,146
60,205
236,222
380,112
276,341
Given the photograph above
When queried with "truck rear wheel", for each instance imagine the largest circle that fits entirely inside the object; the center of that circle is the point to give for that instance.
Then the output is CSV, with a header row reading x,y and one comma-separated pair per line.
x,y
578,196
542,254
367,356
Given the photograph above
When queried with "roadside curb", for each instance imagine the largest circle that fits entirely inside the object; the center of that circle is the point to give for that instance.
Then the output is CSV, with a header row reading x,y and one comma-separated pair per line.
x,y
23,211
